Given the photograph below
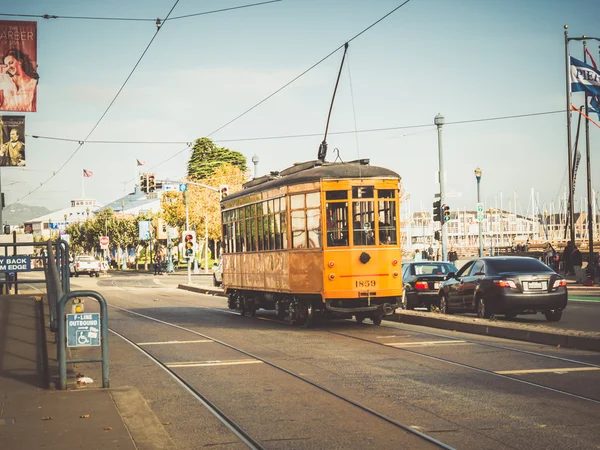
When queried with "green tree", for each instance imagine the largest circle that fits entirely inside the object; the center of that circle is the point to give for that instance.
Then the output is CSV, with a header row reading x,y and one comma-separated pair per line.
x,y
207,158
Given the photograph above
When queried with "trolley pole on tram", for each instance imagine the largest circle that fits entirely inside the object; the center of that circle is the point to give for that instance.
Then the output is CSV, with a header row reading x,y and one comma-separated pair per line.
x,y
439,122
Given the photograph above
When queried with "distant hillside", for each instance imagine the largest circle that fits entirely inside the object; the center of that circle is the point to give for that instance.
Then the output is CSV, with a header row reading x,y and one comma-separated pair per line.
x,y
18,213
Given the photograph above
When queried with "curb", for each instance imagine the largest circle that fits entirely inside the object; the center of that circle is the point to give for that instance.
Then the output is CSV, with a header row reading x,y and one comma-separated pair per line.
x,y
561,339
144,427
202,289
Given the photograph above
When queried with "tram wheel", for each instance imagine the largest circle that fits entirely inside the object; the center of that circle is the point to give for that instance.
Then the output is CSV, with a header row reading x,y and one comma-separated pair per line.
x,y
377,319
359,318
309,320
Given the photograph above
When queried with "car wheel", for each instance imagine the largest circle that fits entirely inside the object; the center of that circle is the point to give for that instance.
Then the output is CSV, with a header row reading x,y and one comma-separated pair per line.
x,y
553,315
483,310
444,309
510,316
97,274
76,274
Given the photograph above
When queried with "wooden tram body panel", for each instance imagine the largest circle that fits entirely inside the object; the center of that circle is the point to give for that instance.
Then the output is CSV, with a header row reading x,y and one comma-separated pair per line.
x,y
275,271
283,245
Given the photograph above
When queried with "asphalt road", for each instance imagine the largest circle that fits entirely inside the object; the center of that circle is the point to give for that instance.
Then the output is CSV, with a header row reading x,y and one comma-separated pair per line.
x,y
467,391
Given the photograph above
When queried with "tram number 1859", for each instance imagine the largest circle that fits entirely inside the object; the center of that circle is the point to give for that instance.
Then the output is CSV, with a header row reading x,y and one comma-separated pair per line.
x,y
364,283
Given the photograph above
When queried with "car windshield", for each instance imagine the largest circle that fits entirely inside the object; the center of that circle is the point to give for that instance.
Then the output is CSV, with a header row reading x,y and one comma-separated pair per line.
x,y
518,265
86,258
434,269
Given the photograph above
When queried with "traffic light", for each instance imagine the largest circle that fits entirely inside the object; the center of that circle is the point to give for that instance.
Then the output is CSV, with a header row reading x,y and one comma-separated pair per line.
x,y
189,243
446,209
437,213
143,183
437,236
151,183
223,191
6,229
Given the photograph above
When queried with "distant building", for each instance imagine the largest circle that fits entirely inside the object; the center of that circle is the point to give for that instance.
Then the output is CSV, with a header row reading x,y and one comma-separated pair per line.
x,y
54,223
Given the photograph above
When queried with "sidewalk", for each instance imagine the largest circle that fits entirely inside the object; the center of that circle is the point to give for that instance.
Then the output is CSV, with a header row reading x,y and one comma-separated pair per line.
x,y
77,418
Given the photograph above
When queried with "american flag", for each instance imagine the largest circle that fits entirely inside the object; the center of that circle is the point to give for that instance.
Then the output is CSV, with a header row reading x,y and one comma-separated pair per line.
x,y
87,173
140,163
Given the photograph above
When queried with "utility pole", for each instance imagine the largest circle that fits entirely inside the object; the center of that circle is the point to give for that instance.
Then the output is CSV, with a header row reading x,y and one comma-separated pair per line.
x,y
439,122
186,200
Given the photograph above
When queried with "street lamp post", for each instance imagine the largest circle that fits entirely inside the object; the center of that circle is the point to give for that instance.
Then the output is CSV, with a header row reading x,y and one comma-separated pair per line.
x,y
255,161
439,122
479,210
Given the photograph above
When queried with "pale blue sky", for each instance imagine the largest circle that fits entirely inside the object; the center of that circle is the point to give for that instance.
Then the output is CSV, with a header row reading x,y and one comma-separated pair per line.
x,y
466,59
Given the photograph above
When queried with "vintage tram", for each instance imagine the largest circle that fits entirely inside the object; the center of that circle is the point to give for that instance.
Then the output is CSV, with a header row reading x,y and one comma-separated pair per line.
x,y
319,238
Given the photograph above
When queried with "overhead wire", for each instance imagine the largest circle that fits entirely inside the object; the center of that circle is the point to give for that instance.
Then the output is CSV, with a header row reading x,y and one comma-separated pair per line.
x,y
295,136
138,19
297,77
158,28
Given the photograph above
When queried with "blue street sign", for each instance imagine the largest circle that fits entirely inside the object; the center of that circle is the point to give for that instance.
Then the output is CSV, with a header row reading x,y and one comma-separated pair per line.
x,y
83,330
15,264
183,187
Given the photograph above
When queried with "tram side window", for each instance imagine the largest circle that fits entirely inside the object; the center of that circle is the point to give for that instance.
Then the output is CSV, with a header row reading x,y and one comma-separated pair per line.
x,y
387,222
313,226
283,229
259,222
337,223
363,225
298,229
277,230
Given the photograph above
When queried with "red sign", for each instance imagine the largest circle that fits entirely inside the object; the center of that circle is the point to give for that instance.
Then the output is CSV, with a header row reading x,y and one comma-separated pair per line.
x,y
104,241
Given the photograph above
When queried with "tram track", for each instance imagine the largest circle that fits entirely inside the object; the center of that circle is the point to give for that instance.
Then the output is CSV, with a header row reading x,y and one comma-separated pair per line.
x,y
236,428
435,414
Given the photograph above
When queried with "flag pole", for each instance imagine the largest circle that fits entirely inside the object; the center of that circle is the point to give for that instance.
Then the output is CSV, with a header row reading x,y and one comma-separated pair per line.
x,y
590,217
571,219
82,190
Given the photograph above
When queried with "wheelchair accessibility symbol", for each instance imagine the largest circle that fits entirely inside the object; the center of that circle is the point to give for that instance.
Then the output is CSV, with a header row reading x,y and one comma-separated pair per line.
x,y
82,338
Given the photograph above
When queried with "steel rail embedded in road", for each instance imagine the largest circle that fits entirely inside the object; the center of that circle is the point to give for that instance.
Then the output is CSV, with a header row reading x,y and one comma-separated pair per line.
x,y
226,420
275,366
477,369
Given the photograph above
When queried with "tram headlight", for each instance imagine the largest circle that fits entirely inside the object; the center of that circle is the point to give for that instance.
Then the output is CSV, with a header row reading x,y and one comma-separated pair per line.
x,y
395,274
395,262
331,276
331,264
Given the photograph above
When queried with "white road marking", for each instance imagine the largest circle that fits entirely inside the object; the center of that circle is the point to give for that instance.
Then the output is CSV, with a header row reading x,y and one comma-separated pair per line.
x,y
563,370
426,343
174,342
214,363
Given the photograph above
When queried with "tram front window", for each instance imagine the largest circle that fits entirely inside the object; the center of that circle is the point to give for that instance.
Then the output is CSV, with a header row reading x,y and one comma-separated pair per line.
x,y
363,226
337,224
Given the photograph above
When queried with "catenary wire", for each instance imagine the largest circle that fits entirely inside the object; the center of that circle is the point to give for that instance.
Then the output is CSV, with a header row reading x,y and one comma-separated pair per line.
x,y
295,136
158,28
137,19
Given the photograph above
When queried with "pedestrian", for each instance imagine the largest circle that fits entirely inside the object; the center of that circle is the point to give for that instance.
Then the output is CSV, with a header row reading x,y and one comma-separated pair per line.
x,y
417,256
452,255
430,253
567,258
157,264
577,262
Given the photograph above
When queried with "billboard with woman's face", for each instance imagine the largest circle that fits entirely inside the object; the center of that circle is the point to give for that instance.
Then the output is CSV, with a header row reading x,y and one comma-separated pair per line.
x,y
18,66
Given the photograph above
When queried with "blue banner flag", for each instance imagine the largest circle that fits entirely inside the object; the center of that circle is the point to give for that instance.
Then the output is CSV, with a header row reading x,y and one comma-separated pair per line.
x,y
584,78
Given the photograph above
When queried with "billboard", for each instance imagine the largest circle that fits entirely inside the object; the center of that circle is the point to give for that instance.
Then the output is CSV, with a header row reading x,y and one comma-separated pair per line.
x,y
18,66
12,141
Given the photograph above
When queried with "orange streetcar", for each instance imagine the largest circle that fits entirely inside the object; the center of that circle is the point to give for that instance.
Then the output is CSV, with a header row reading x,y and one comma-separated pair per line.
x,y
318,238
